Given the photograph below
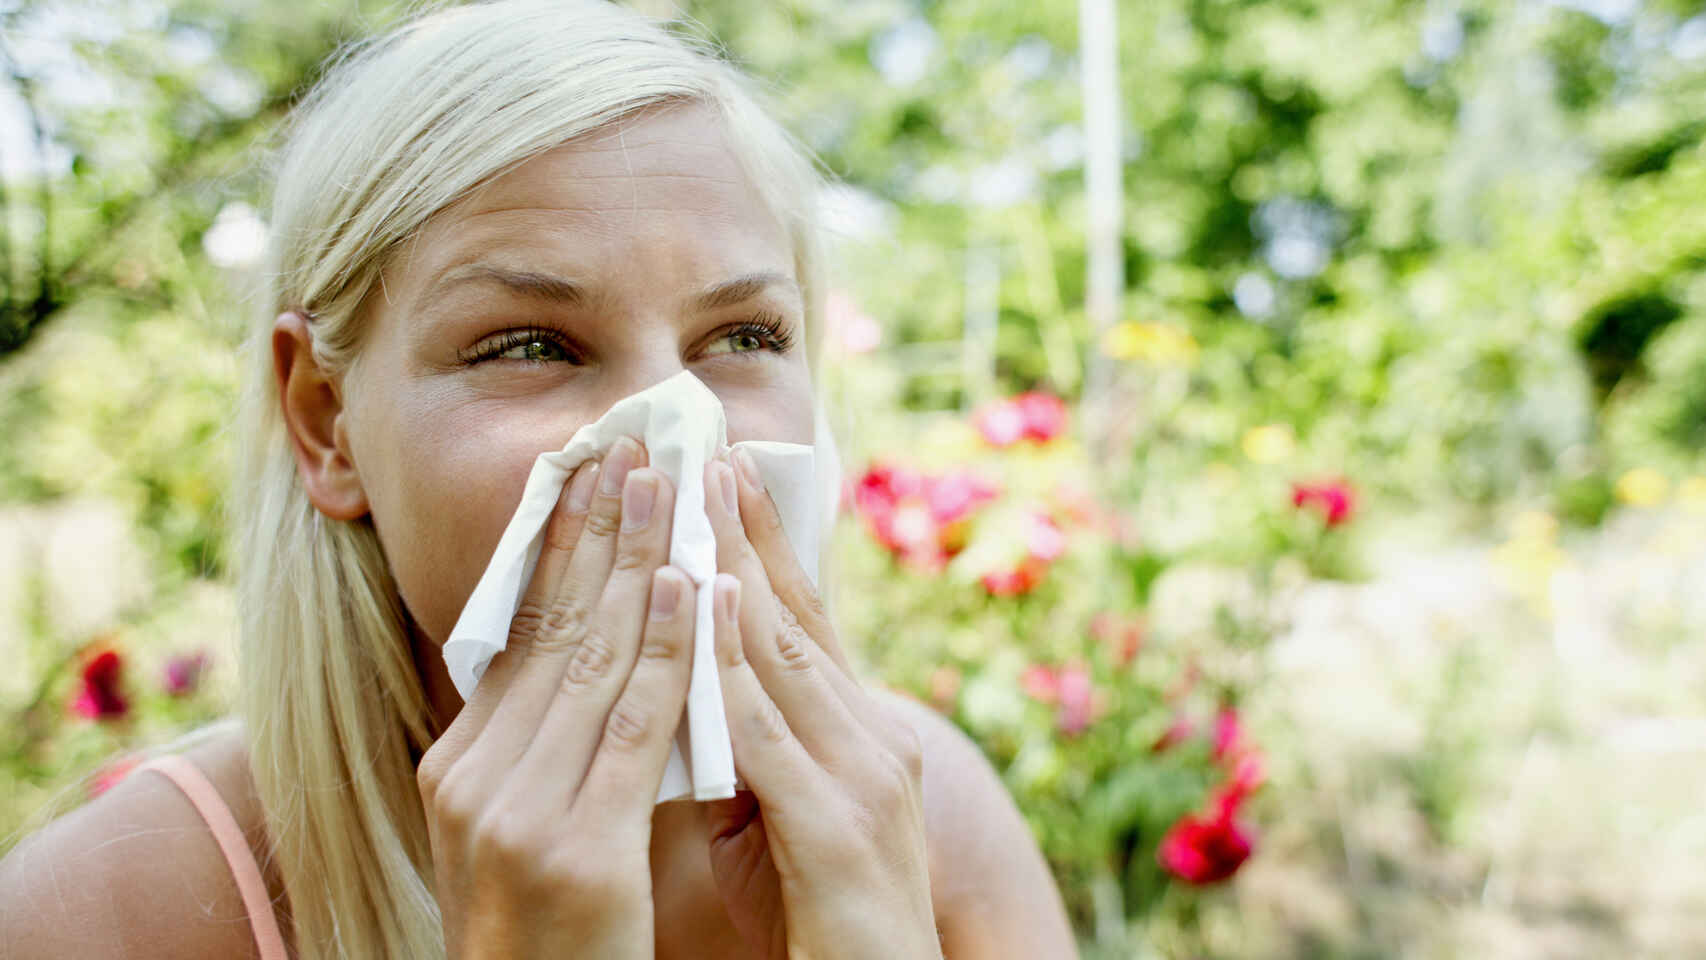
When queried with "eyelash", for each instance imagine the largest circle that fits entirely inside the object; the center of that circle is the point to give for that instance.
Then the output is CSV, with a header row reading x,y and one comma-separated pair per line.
x,y
769,328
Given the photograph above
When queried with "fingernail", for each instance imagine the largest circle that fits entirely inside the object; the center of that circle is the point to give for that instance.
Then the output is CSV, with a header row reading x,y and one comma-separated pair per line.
x,y
749,467
666,594
638,496
726,480
617,463
580,488
728,595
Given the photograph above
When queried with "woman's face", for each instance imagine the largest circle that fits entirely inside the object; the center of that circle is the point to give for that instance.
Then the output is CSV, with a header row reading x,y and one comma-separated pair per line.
x,y
524,311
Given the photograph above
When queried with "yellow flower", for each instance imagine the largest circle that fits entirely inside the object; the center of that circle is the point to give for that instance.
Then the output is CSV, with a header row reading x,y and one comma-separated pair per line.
x,y
1692,493
1159,344
1643,487
1270,443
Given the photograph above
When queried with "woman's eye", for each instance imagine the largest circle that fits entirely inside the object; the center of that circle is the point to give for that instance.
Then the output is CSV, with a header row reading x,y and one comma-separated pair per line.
x,y
527,346
534,349
764,334
740,341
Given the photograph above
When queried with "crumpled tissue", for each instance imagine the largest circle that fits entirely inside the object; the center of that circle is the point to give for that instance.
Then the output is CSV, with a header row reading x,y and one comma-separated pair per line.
x,y
681,423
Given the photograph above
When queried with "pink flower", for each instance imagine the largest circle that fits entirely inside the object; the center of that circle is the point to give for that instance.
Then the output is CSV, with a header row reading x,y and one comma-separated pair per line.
x,y
1001,423
1334,499
100,697
1043,540
183,673
953,497
1204,850
1039,683
1076,693
1228,734
109,775
1032,415
1043,415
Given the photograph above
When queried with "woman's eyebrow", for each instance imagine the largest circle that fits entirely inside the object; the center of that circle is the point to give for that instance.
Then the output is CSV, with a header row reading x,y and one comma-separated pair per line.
x,y
742,288
541,286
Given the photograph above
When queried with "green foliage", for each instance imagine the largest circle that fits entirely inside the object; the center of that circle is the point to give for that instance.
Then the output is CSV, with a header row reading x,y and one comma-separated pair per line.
x,y
1452,253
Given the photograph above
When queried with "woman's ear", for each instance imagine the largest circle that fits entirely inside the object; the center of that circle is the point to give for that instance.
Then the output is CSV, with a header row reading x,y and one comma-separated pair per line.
x,y
313,414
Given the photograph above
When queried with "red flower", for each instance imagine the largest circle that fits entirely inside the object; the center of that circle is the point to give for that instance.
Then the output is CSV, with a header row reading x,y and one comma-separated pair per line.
x,y
99,697
1204,850
1013,582
183,673
1043,414
1334,499
1001,423
921,519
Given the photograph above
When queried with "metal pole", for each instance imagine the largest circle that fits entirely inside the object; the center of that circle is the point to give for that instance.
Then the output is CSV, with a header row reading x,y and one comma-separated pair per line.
x,y
1098,53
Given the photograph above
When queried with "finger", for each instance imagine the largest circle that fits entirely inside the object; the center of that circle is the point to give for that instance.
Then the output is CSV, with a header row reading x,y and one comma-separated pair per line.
x,y
553,620
633,747
604,652
803,681
774,764
803,619
769,539
589,564
561,531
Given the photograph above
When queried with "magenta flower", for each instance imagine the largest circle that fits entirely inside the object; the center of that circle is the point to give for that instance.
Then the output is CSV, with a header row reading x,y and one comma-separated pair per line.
x,y
1335,500
100,696
183,673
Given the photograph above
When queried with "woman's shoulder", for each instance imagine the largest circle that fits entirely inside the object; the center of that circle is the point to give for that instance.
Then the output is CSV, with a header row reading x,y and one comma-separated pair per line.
x,y
992,890
136,872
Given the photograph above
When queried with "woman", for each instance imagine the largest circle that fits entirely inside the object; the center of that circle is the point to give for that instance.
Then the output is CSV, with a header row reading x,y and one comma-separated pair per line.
x,y
490,226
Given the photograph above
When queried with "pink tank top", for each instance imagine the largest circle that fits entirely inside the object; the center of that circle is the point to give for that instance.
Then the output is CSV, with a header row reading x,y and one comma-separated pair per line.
x,y
229,835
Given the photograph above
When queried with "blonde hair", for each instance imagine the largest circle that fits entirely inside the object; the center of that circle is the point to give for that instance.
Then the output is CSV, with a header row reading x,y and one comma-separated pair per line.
x,y
401,127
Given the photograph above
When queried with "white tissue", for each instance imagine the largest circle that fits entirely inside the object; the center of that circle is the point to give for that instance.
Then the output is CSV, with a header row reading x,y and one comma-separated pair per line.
x,y
681,423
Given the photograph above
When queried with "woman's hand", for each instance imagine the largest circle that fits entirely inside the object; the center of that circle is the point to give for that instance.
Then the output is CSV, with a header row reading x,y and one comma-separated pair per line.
x,y
539,796
825,858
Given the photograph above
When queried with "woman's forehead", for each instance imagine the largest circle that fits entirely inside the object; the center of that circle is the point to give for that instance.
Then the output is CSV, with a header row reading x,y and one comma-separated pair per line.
x,y
660,190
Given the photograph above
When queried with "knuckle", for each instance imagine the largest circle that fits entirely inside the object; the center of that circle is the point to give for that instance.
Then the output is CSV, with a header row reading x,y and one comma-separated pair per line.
x,y
506,842
560,625
792,649
455,805
633,557
429,775
663,643
603,522
529,619
592,660
630,725
766,722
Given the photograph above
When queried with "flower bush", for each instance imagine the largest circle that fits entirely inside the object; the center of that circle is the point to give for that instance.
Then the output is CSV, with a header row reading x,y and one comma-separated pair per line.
x,y
998,587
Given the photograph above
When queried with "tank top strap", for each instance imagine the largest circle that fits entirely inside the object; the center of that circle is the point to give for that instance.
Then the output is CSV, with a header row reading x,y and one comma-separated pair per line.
x,y
238,856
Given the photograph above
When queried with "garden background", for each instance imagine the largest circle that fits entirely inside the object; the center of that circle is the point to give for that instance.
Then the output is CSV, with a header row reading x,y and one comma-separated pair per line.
x,y
1344,598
